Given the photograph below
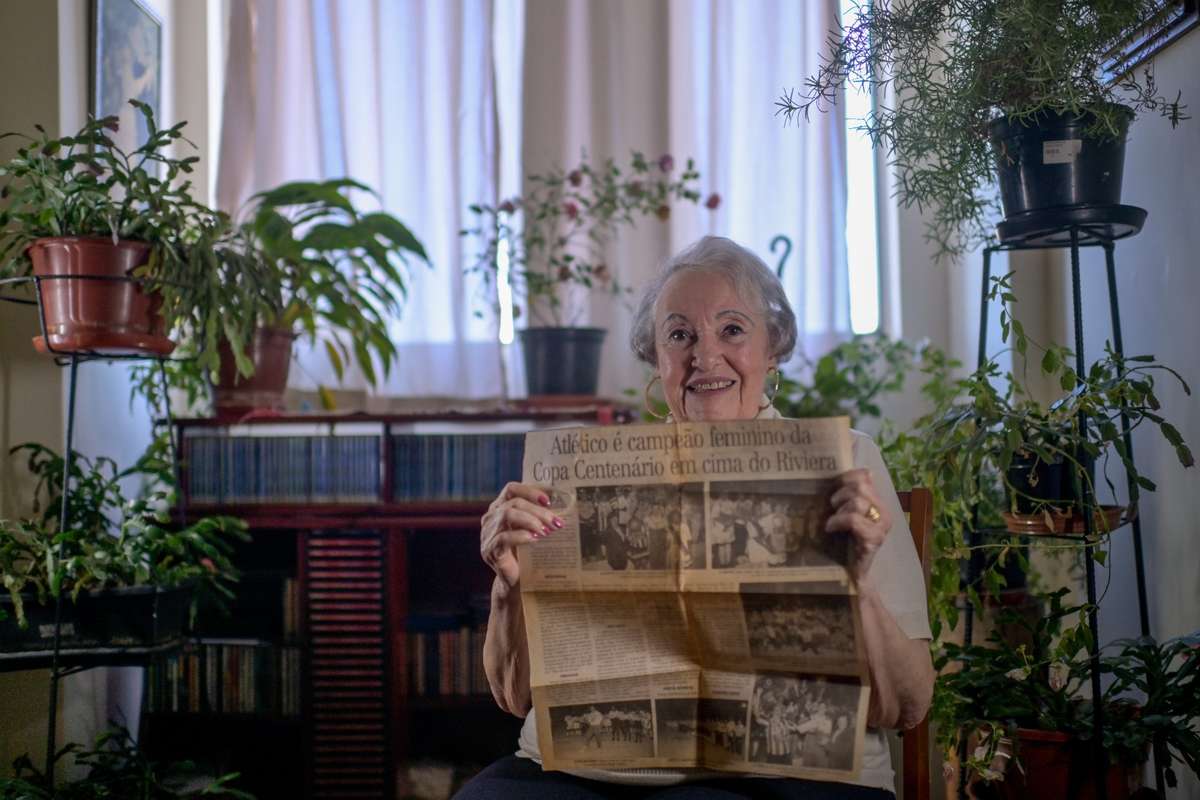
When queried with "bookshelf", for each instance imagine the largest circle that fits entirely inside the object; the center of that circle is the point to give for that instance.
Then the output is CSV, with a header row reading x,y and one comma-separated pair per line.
x,y
365,565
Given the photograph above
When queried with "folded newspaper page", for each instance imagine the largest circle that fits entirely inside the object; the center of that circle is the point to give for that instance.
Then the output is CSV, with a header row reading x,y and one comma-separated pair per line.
x,y
693,612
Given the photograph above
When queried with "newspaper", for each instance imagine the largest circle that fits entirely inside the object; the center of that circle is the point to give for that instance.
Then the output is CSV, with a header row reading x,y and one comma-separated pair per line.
x,y
693,612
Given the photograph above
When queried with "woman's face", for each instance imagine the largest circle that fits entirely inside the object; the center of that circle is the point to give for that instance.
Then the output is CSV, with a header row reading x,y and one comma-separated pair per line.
x,y
712,348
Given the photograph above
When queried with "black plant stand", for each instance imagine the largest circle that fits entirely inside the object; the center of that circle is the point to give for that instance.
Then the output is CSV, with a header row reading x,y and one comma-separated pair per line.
x,y
60,664
1075,228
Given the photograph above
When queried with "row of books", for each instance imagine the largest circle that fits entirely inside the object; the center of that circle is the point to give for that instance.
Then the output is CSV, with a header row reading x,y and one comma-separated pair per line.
x,y
228,677
282,469
223,469
447,663
454,466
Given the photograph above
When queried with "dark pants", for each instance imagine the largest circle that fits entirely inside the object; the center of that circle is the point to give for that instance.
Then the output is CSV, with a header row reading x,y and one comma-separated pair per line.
x,y
521,778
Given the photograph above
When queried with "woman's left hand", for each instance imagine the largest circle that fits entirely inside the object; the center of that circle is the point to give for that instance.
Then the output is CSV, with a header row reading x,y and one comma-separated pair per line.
x,y
860,514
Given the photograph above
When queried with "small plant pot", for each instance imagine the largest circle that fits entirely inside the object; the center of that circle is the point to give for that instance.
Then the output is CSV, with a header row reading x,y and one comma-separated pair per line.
x,y
136,616
271,353
562,361
88,305
1035,483
1050,163
1054,766
38,634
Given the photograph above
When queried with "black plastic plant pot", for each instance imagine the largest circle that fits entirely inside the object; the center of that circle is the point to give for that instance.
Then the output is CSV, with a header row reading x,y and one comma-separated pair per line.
x,y
38,634
136,616
562,361
1053,161
1035,483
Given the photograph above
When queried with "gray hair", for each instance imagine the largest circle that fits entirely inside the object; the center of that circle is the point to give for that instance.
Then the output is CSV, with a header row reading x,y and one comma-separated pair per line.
x,y
751,278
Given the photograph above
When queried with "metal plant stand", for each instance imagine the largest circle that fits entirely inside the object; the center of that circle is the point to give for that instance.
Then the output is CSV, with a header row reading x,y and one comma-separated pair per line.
x,y
59,666
1075,228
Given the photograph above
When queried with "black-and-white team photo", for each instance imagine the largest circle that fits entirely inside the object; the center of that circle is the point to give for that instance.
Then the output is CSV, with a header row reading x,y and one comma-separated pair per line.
x,y
803,722
772,524
723,729
611,730
782,623
638,527
675,723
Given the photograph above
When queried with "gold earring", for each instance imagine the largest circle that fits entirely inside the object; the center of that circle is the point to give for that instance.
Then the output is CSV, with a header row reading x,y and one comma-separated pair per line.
x,y
774,391
647,402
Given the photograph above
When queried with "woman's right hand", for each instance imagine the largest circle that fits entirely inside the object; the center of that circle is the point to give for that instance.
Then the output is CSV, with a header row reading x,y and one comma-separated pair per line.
x,y
519,514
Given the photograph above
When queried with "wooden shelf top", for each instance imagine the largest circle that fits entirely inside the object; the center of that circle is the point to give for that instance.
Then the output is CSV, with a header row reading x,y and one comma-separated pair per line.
x,y
598,410
432,515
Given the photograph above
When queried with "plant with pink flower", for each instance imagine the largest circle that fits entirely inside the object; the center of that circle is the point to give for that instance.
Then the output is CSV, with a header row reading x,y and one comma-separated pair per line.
x,y
557,233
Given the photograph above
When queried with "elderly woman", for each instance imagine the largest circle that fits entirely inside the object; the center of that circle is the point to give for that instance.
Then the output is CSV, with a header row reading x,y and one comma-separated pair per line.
x,y
714,325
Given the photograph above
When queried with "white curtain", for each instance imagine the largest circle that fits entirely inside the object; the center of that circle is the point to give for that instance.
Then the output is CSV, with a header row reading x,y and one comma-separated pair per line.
x,y
698,78
400,96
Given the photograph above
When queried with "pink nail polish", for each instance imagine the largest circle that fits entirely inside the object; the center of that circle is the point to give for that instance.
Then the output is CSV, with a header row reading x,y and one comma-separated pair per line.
x,y
545,531
558,523
544,501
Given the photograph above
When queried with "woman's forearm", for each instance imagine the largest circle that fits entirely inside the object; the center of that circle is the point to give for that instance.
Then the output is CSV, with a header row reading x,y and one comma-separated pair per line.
x,y
505,650
901,668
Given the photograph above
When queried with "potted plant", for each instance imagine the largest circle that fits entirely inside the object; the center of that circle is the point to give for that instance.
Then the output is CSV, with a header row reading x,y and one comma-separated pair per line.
x,y
130,575
323,269
116,767
123,253
1022,706
1014,92
552,242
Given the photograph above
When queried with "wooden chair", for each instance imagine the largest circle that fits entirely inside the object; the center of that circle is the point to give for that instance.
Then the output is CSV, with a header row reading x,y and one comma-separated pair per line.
x,y
914,771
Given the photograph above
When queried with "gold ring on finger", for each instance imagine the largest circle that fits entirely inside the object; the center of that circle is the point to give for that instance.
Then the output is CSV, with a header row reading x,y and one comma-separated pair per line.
x,y
873,514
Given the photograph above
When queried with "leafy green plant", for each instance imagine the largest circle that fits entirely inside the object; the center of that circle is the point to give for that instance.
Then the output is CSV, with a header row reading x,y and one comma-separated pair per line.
x,y
116,768
109,541
948,67
1152,701
343,270
963,446
86,185
323,269
849,380
554,236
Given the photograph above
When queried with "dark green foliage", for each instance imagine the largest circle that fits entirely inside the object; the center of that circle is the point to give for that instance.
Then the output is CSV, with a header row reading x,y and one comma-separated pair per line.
x,y
948,67
109,541
117,770
1154,697
849,380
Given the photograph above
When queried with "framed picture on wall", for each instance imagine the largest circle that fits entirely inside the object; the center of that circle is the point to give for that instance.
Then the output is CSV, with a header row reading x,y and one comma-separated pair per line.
x,y
126,64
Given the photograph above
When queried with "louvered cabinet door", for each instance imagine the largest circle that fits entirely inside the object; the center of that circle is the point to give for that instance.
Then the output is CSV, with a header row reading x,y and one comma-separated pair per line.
x,y
347,630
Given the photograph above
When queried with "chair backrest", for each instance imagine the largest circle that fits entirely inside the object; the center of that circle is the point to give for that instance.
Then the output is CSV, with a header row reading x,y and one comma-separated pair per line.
x,y
914,772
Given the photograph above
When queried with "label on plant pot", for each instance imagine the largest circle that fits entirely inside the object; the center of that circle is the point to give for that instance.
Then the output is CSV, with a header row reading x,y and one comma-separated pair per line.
x,y
1061,151
47,631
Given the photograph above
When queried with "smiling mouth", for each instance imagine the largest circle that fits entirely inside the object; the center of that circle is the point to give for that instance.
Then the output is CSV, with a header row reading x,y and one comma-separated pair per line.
x,y
710,387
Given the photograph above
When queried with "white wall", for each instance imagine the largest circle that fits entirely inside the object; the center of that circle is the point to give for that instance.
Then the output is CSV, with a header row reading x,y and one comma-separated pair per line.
x,y
1158,281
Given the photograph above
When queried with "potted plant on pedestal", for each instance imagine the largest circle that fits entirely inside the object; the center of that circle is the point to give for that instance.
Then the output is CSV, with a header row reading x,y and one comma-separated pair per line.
x,y
552,241
124,254
1028,732
1014,92
324,270
130,576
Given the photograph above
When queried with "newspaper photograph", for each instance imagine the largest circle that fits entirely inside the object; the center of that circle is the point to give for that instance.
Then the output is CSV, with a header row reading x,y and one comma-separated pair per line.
x,y
692,612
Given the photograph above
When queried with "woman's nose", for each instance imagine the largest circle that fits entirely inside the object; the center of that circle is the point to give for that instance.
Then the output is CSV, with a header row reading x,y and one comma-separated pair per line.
x,y
705,354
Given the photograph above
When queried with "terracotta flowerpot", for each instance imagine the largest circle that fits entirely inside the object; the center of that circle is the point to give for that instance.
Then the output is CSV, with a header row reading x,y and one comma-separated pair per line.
x,y
87,307
1055,766
271,353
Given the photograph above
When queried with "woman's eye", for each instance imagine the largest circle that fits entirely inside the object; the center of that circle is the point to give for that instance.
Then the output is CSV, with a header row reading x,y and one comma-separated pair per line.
x,y
678,335
733,329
